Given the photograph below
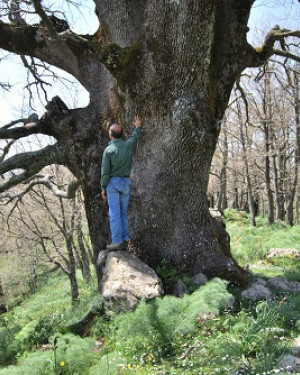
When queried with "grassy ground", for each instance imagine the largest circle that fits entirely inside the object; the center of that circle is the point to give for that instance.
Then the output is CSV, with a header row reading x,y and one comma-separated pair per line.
x,y
198,334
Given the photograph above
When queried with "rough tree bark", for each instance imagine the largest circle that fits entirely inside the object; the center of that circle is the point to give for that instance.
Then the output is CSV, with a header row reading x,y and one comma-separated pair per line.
x,y
173,62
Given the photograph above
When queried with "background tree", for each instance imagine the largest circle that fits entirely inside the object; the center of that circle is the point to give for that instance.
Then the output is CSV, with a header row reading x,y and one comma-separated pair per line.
x,y
46,228
172,62
271,140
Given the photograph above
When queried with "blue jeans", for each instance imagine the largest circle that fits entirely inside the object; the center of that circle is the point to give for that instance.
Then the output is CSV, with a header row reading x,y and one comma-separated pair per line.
x,y
118,192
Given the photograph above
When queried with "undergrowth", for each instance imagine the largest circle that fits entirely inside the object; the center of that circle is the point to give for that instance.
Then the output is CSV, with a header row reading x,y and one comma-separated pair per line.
x,y
250,244
195,335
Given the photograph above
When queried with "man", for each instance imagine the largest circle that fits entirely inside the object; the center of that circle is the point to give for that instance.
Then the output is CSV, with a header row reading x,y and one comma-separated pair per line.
x,y
115,181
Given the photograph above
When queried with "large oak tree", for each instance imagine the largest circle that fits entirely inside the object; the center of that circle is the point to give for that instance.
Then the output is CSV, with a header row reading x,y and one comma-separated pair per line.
x,y
174,62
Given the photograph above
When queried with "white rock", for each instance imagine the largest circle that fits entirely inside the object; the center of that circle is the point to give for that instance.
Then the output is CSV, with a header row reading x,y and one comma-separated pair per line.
x,y
126,280
278,252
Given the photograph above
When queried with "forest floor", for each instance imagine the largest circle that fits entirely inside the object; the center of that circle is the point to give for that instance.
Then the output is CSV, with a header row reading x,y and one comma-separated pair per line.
x,y
196,334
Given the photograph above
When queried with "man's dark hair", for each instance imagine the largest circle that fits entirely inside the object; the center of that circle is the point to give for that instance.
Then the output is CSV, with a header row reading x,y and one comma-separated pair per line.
x,y
116,133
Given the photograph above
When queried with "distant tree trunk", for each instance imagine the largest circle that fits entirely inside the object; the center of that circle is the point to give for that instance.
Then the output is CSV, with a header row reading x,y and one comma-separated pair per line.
x,y
270,197
86,272
74,286
298,208
81,251
278,165
3,308
236,194
251,202
222,199
72,269
291,190
267,122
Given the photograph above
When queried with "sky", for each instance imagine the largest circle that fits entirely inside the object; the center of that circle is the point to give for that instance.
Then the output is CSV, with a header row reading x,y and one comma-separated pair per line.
x,y
14,104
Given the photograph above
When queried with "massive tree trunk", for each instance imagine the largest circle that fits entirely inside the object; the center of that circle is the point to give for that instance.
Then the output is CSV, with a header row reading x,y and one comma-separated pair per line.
x,y
174,63
181,90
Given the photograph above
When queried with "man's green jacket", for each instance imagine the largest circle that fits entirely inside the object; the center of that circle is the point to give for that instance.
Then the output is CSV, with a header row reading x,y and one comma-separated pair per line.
x,y
117,158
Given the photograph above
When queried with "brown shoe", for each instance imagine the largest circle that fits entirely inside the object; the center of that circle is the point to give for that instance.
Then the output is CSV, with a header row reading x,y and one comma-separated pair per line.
x,y
125,245
115,246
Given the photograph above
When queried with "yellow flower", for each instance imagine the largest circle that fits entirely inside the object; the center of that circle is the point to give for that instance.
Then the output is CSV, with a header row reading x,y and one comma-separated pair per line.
x,y
62,363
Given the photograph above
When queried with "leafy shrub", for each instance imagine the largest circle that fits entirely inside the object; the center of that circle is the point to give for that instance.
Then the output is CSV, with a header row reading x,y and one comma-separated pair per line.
x,y
152,331
37,363
8,346
289,310
36,332
167,272
74,354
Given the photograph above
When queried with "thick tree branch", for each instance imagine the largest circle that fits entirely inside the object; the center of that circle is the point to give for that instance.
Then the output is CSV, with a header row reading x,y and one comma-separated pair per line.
x,y
7,133
53,123
34,41
20,132
31,163
261,54
68,51
19,39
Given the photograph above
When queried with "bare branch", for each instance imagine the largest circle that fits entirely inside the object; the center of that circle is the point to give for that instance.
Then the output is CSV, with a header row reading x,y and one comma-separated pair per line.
x,y
15,13
31,163
286,54
32,69
52,259
244,97
40,11
45,180
5,86
12,123
261,54
6,149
